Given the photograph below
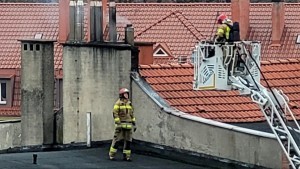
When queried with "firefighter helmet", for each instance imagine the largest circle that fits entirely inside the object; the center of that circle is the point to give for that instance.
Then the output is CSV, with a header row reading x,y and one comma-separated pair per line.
x,y
123,90
221,18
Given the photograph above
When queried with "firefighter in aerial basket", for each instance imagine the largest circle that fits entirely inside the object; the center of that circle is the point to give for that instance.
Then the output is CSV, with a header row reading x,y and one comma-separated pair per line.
x,y
124,125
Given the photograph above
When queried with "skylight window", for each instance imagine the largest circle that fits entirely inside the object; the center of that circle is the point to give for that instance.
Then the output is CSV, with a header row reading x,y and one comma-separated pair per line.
x,y
298,39
38,36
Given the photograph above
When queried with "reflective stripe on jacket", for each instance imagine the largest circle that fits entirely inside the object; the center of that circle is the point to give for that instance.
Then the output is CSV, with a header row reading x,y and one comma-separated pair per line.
x,y
223,31
123,113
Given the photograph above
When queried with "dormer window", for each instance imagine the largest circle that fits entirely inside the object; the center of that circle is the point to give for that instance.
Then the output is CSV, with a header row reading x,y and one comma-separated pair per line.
x,y
162,50
3,89
160,53
6,90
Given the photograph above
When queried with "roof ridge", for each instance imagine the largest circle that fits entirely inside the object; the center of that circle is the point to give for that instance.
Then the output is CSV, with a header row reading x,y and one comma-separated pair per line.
x,y
188,25
175,4
27,3
149,27
280,61
169,65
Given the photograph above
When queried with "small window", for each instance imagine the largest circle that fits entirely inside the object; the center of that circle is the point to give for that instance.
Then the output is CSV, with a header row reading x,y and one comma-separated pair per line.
x,y
3,90
37,47
160,52
38,36
6,90
31,47
25,46
298,39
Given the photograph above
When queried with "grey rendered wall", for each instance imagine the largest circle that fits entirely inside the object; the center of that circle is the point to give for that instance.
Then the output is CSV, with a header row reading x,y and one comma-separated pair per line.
x,y
10,134
159,127
92,78
37,88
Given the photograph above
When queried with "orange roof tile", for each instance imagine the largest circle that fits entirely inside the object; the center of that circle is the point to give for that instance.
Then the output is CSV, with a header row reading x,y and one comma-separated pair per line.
x,y
174,84
23,21
182,25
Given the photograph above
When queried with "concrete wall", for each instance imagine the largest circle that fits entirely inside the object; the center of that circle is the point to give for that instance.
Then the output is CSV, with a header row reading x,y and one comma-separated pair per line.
x,y
157,126
92,77
37,92
10,134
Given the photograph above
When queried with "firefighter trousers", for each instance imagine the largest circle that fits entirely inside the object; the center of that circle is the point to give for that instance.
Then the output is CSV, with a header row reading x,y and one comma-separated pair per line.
x,y
120,135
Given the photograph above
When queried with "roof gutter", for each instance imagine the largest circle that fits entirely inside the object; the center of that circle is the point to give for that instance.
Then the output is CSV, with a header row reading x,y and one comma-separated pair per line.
x,y
168,109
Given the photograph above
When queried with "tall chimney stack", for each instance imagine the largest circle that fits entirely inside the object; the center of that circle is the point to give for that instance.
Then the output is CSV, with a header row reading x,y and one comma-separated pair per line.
x,y
240,10
96,21
63,21
72,15
79,33
104,13
37,88
112,22
278,14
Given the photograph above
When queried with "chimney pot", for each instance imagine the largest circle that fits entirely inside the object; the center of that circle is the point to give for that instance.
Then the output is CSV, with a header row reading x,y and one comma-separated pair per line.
x,y
129,35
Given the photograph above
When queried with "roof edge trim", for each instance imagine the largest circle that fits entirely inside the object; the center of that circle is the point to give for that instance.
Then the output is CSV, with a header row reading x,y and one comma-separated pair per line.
x,y
165,107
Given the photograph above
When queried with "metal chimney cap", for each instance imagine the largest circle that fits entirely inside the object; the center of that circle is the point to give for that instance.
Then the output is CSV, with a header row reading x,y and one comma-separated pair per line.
x,y
37,40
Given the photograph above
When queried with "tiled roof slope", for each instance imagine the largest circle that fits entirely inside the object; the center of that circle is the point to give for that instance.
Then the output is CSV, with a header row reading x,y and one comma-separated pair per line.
x,y
23,21
174,84
181,25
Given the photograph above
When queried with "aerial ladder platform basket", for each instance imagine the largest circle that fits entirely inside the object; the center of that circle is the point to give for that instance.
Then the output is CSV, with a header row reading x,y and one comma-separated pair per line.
x,y
236,66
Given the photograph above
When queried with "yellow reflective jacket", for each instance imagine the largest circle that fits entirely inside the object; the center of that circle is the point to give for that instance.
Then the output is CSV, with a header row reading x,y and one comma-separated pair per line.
x,y
123,113
223,30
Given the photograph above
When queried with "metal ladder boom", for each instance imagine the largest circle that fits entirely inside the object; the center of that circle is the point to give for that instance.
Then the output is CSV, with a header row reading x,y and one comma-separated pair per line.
x,y
276,111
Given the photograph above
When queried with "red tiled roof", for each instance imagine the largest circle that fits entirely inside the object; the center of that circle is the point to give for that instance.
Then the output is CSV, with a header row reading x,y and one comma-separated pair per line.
x,y
23,21
181,25
174,84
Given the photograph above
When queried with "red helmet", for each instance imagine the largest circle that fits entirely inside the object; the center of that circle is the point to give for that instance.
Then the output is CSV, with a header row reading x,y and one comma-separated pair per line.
x,y
221,18
123,90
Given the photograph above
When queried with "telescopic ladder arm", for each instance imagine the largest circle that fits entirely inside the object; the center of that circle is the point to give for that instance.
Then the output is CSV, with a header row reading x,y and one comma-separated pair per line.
x,y
276,110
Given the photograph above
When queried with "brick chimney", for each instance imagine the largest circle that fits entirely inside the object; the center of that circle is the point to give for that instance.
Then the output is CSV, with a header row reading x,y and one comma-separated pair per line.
x,y
63,20
240,10
278,13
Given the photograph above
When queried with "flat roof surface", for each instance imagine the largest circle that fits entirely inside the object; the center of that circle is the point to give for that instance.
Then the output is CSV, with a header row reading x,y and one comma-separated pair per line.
x,y
86,159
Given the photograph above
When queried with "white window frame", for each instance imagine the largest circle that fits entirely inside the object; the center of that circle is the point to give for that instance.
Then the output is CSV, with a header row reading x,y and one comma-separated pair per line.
x,y
298,39
160,55
3,102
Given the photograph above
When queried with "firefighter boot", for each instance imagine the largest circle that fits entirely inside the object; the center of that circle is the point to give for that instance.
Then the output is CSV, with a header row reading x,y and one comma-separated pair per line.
x,y
126,155
112,153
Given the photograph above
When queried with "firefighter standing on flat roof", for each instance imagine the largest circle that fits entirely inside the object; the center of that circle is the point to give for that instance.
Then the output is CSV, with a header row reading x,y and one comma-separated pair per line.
x,y
124,125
